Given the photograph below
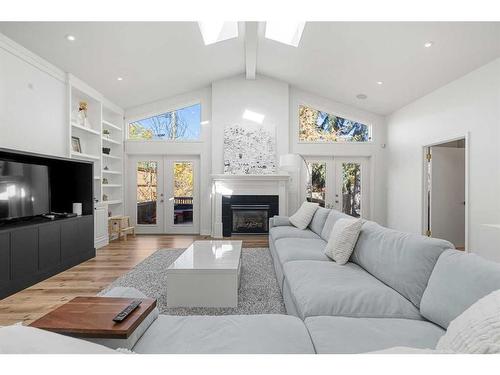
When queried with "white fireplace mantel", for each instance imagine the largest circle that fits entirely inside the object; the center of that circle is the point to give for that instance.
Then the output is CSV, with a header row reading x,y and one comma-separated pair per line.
x,y
250,177
227,184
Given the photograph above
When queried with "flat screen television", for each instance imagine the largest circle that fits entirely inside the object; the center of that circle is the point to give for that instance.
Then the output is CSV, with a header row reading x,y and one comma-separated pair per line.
x,y
24,190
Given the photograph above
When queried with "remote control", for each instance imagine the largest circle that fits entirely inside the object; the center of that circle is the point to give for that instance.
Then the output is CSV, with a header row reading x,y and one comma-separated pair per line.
x,y
126,311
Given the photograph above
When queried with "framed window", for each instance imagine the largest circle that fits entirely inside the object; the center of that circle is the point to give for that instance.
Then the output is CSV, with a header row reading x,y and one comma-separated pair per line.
x,y
179,125
318,126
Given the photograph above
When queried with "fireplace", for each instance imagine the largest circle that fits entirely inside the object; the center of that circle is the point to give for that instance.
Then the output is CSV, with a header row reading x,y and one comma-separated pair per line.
x,y
248,214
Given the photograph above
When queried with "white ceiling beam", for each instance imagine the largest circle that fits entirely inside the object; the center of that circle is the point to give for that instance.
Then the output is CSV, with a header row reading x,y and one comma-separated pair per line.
x,y
251,32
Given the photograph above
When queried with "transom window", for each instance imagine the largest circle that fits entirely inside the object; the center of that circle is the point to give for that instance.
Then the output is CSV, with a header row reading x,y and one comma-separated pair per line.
x,y
318,126
179,125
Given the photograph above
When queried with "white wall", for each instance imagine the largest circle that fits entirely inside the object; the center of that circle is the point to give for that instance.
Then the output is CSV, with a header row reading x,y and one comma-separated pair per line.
x,y
201,147
373,150
470,105
32,102
230,98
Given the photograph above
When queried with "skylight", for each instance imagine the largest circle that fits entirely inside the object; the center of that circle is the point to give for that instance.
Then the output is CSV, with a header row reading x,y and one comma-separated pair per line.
x,y
253,116
217,31
287,32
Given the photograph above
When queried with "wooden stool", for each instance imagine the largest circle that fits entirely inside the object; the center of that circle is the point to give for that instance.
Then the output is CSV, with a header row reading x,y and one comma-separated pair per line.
x,y
120,225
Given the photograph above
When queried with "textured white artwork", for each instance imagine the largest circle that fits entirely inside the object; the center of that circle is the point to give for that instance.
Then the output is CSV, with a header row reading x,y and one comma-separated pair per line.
x,y
249,149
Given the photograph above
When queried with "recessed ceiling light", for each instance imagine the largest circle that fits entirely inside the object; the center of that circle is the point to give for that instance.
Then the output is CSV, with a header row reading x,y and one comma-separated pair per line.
x,y
361,96
253,116
380,83
217,31
286,32
428,44
70,37
119,79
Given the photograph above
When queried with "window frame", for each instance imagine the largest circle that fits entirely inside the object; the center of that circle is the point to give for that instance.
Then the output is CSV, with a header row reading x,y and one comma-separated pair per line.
x,y
337,114
148,115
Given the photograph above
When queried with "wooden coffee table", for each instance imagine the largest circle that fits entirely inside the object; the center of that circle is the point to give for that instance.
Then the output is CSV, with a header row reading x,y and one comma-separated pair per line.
x,y
93,317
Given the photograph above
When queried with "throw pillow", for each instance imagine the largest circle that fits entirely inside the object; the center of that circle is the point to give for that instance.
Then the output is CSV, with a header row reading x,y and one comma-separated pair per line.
x,y
304,215
476,330
342,240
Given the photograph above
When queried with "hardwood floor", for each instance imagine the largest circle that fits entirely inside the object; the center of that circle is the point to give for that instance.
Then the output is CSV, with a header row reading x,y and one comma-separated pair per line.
x,y
90,277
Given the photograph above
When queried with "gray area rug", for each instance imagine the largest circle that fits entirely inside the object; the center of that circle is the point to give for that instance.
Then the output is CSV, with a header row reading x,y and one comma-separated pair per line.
x,y
259,291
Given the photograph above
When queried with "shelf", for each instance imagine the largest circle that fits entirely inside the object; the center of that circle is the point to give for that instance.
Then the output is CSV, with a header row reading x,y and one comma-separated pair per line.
x,y
81,155
111,157
111,172
97,178
116,201
83,128
112,185
109,140
110,125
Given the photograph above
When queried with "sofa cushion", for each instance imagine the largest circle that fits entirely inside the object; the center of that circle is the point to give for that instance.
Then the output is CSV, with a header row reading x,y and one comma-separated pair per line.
x,y
458,280
289,249
332,218
17,339
252,334
318,220
278,221
401,260
326,288
291,232
333,334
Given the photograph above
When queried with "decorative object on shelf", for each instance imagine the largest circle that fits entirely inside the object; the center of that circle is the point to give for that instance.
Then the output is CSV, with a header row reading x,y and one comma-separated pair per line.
x,y
104,197
82,115
77,209
104,181
75,144
106,133
250,149
106,168
106,150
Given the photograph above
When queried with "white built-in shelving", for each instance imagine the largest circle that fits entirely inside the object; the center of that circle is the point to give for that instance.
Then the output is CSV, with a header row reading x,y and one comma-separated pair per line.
x,y
103,129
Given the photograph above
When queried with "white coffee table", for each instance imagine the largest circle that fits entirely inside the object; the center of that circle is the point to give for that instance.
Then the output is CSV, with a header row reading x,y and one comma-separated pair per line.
x,y
206,274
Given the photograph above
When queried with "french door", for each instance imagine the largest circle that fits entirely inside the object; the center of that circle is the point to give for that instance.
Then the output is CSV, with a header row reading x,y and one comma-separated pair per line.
x,y
341,183
163,194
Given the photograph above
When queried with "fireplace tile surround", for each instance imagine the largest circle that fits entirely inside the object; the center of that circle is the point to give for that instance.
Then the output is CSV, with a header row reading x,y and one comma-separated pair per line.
x,y
247,213
256,186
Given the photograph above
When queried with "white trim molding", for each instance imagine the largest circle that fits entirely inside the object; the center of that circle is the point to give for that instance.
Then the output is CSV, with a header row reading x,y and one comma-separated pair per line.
x,y
24,54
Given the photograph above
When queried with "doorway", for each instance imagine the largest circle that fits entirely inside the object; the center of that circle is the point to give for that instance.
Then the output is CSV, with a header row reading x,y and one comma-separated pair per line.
x,y
341,183
445,183
163,194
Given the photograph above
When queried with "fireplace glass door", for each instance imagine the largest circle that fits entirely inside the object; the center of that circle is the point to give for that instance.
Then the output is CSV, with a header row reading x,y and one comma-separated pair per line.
x,y
250,218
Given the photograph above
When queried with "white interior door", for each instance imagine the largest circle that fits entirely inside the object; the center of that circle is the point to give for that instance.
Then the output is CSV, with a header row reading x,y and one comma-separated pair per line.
x,y
352,187
145,193
163,194
182,192
342,183
447,194
319,182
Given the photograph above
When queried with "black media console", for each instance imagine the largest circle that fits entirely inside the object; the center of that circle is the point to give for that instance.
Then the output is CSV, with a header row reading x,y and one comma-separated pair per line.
x,y
35,251
36,248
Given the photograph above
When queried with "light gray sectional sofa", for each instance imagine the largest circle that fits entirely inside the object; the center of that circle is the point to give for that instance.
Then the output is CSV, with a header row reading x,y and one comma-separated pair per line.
x,y
398,289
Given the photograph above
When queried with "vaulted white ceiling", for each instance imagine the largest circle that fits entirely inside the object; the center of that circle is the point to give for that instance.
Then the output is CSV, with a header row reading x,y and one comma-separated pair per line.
x,y
337,60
